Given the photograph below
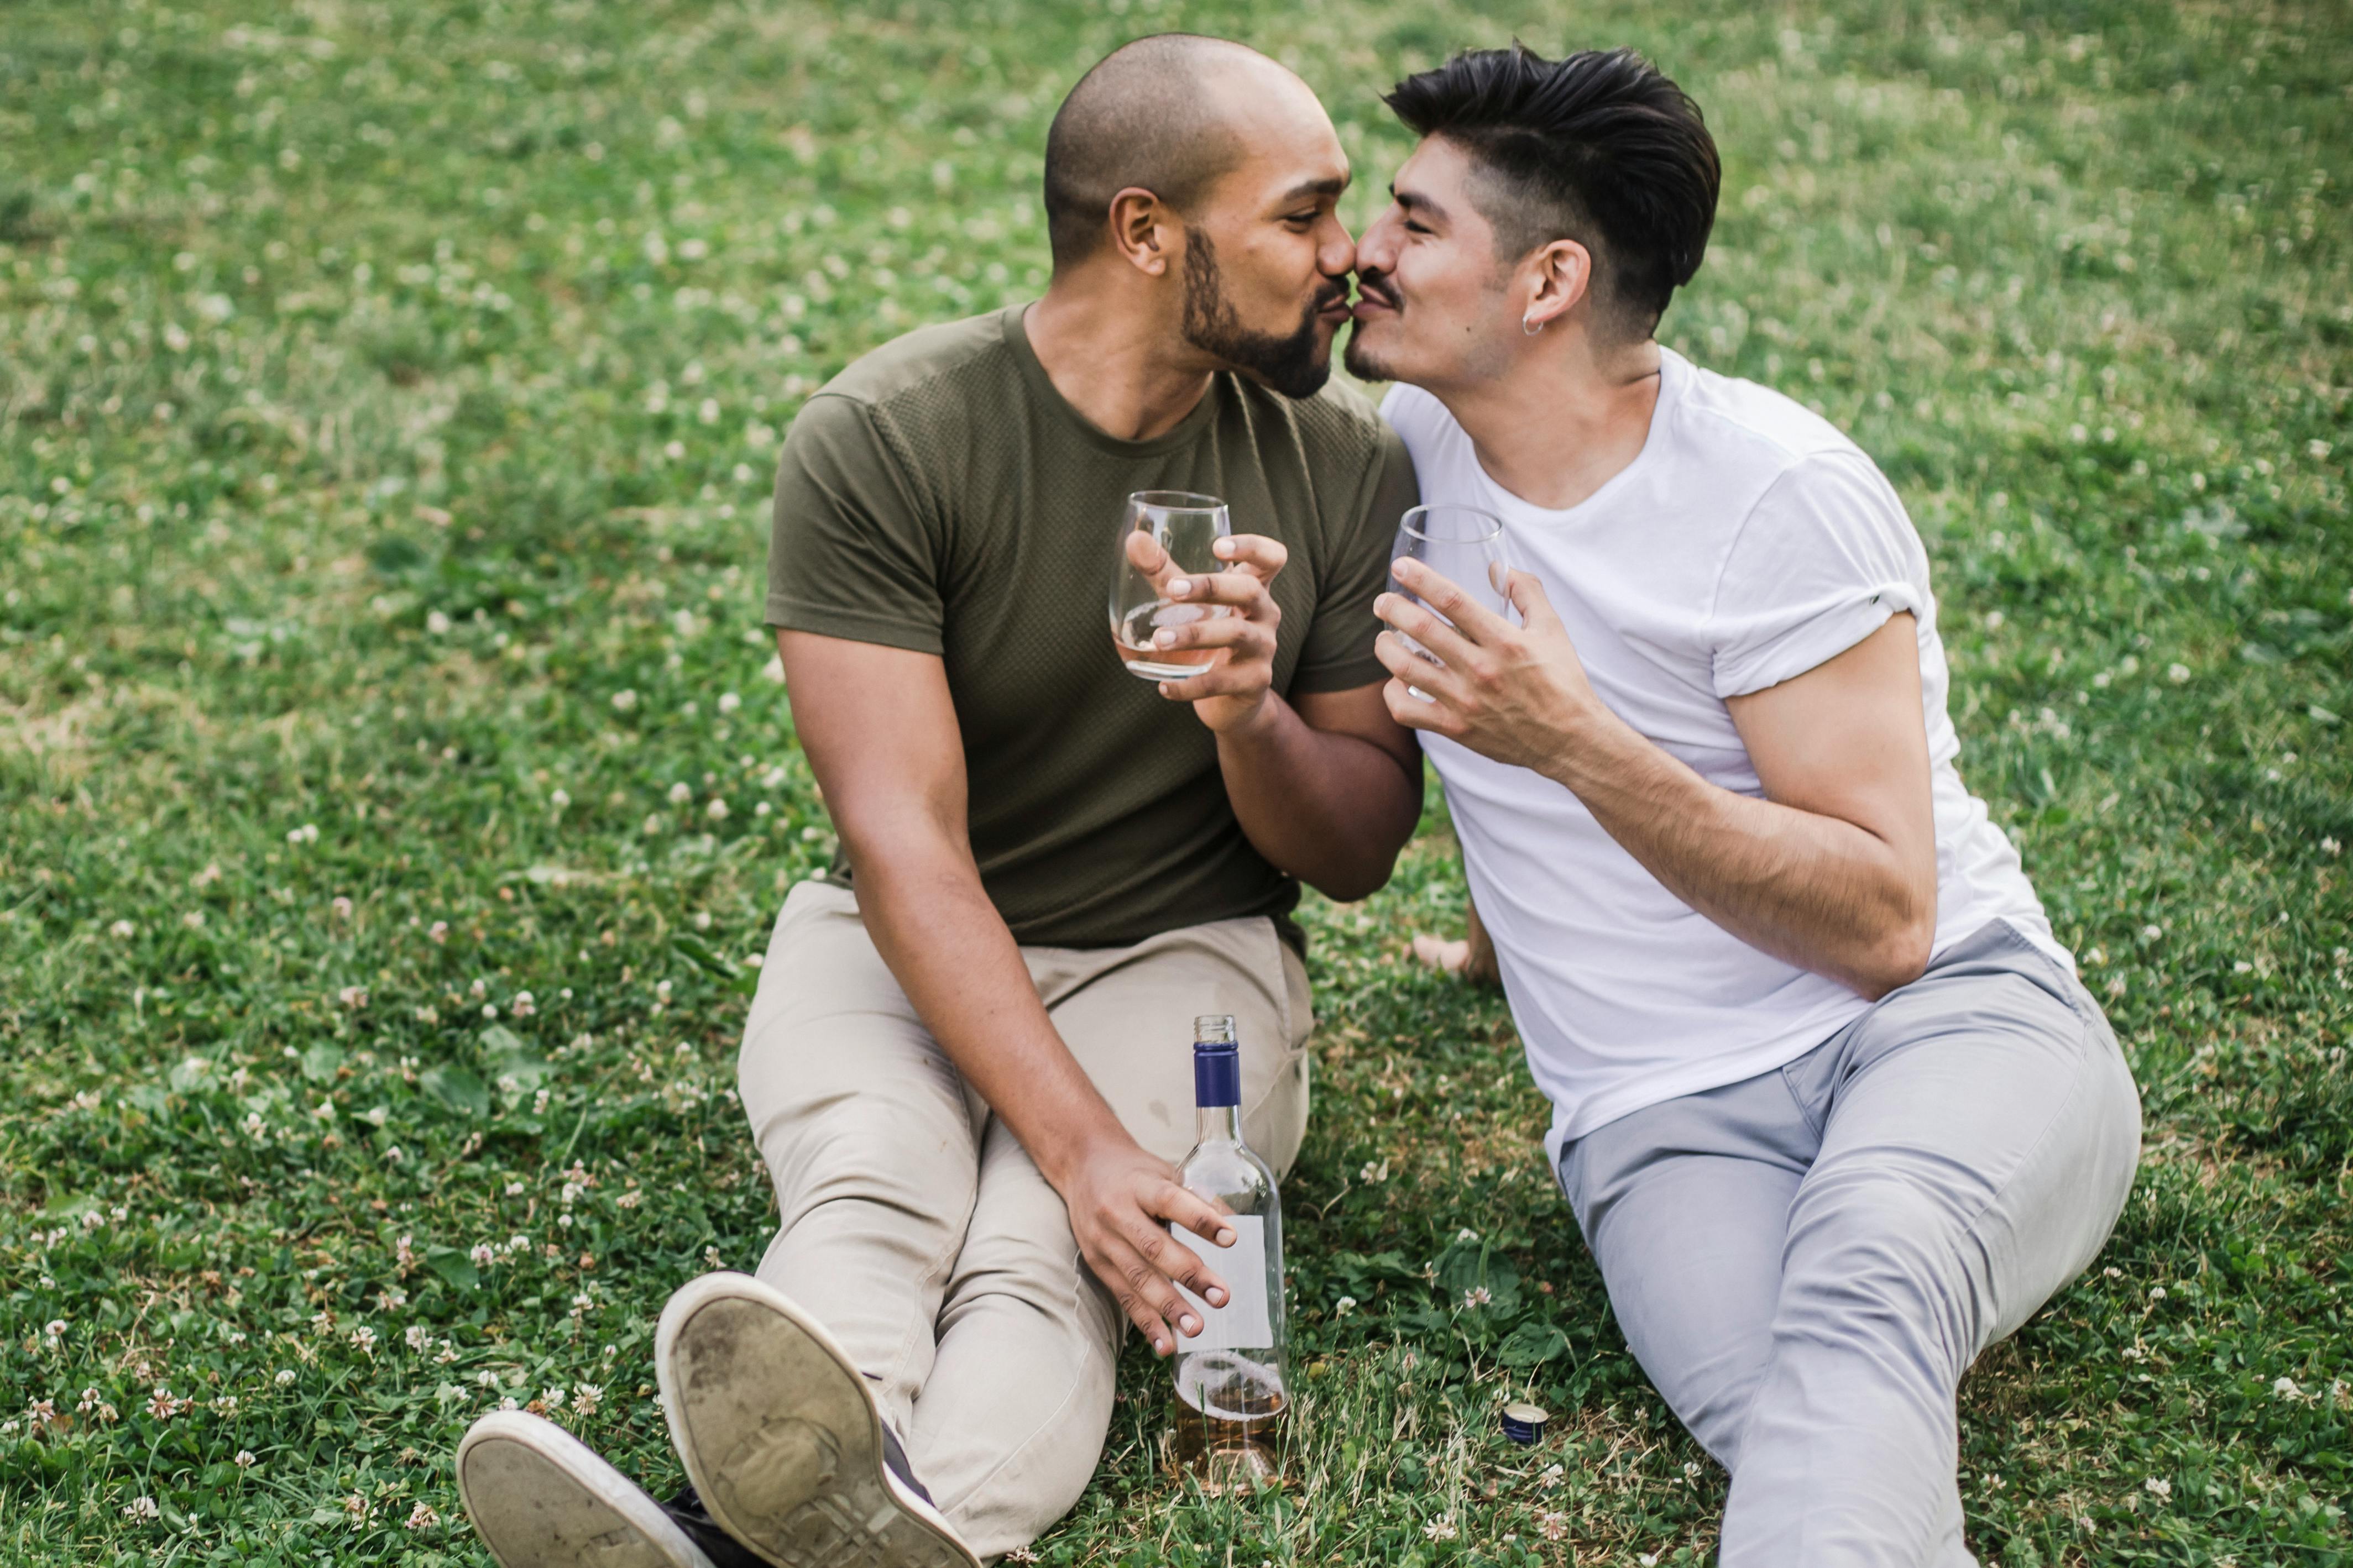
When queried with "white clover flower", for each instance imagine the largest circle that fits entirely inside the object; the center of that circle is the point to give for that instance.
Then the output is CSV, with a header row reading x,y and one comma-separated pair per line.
x,y
559,799
728,701
354,997
2152,932
586,1398
244,1459
1441,1528
680,794
2157,1488
1344,1306
522,1005
483,1254
624,700
653,825
716,810
438,623
438,931
552,1397
422,1517
142,1509
2177,673
363,1338
2285,1388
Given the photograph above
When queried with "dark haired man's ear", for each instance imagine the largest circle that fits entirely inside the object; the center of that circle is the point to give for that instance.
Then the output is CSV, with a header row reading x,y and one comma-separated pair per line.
x,y
1140,230
1563,279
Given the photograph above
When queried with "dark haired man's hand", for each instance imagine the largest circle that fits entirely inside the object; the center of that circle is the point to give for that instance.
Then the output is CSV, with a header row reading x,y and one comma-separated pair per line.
x,y
1230,694
1517,694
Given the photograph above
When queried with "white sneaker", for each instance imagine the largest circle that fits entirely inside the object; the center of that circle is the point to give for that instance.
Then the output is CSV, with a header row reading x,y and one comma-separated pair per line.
x,y
540,1499
782,1439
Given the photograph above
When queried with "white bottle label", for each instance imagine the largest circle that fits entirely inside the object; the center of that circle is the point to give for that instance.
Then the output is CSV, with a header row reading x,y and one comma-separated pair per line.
x,y
1241,1324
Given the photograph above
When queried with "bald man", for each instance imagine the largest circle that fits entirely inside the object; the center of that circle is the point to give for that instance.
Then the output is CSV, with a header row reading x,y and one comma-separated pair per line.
x,y
966,1065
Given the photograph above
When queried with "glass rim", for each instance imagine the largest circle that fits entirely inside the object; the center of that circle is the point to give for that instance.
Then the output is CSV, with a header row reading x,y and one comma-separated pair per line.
x,y
1414,514
1176,500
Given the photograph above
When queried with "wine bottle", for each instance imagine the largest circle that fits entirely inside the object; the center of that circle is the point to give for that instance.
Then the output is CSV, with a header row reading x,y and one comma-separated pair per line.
x,y
1233,1389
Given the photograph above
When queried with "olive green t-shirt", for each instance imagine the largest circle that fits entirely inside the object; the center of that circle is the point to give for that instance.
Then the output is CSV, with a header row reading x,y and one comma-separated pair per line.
x,y
940,495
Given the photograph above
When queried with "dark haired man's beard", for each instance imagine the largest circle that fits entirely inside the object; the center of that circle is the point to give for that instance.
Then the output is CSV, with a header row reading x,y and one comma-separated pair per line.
x,y
1361,360
1296,367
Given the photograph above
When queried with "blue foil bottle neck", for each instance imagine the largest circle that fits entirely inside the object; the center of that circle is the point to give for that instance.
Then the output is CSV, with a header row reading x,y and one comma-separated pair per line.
x,y
1216,1074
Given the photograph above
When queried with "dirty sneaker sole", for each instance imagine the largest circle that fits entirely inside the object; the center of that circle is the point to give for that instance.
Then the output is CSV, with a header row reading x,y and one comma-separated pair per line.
x,y
781,1439
540,1497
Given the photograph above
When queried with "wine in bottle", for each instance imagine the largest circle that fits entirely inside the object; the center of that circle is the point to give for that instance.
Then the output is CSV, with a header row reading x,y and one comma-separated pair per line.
x,y
1233,1393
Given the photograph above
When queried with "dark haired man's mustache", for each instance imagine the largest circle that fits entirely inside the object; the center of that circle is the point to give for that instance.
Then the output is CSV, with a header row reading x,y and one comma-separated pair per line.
x,y
1372,286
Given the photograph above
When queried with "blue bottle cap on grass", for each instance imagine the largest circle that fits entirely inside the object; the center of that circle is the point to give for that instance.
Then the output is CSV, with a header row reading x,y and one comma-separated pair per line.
x,y
1523,1424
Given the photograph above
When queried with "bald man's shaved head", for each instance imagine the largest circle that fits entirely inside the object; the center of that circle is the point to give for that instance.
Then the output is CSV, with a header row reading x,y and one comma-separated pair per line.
x,y
1155,115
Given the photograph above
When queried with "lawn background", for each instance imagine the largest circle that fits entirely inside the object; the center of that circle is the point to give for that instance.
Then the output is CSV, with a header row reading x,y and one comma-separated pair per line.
x,y
392,778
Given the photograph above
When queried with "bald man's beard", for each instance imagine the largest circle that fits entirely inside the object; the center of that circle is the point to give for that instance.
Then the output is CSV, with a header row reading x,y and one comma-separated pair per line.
x,y
1296,365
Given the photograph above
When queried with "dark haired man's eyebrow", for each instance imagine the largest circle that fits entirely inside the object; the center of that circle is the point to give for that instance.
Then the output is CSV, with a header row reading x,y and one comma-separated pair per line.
x,y
1415,202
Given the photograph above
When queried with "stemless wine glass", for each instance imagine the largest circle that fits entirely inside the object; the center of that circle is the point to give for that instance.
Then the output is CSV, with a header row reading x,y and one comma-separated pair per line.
x,y
1166,535
1463,545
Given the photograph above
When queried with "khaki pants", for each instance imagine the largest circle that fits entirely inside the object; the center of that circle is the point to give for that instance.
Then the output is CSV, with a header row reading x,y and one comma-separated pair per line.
x,y
913,1225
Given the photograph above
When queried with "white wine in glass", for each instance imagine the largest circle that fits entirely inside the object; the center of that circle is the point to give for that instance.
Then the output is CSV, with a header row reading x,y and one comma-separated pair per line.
x,y
1165,536
1463,545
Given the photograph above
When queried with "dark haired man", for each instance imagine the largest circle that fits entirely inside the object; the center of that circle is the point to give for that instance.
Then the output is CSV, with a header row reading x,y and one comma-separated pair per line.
x,y
1831,1108
965,1065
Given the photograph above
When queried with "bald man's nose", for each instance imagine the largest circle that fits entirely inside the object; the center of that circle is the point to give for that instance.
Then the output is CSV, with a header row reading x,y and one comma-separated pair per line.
x,y
1337,255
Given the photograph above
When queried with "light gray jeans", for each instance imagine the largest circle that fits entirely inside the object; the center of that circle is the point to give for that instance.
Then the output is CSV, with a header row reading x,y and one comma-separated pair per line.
x,y
1804,1262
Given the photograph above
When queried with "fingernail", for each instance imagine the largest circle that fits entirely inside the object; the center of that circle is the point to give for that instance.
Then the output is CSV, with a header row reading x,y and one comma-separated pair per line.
x,y
1192,1325
1160,1347
1215,1298
1163,638
1179,588
1224,1239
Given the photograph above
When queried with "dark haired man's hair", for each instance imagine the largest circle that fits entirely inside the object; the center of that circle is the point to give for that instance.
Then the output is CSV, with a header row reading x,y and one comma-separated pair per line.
x,y
1599,148
1145,116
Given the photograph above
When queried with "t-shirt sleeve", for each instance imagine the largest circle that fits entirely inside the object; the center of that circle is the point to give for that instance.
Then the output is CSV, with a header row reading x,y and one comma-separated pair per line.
x,y
1825,558
1339,653
849,554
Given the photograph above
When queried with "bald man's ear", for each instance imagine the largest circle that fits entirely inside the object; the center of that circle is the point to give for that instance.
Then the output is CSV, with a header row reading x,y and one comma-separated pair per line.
x,y
1143,230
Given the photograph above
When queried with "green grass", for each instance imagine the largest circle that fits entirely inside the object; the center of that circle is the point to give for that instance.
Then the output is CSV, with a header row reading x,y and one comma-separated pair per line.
x,y
387,398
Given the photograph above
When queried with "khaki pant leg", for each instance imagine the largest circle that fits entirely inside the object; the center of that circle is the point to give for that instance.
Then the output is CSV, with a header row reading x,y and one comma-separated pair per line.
x,y
1010,1425
871,1137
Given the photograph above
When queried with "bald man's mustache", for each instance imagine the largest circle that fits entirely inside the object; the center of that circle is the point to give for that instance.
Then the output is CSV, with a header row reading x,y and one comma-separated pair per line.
x,y
1374,286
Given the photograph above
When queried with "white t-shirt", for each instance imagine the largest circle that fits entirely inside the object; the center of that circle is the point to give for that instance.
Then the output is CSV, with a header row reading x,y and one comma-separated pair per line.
x,y
1750,542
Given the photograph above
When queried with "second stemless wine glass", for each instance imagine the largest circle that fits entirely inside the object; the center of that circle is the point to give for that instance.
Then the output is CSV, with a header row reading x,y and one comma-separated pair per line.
x,y
1166,535
1463,545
